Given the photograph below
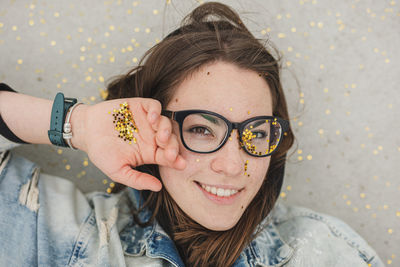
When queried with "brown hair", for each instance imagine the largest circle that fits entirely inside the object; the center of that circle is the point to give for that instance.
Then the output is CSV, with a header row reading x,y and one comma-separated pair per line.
x,y
211,32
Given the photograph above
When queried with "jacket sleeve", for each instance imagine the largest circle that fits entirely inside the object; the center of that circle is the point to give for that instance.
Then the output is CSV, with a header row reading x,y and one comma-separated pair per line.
x,y
8,139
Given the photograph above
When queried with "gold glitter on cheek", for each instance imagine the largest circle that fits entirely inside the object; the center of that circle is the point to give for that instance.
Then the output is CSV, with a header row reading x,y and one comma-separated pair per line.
x,y
245,168
197,160
124,123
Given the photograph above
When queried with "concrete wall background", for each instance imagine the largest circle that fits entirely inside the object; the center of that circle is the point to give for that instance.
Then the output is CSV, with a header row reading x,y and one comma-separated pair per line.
x,y
340,73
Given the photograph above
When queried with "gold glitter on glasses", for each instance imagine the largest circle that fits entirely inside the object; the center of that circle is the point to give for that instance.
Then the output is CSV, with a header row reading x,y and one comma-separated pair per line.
x,y
124,123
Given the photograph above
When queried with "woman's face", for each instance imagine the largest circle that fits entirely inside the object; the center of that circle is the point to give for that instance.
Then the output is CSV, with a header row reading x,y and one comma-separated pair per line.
x,y
236,94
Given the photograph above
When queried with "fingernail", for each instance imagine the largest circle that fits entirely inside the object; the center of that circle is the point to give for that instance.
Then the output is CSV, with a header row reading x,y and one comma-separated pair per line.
x,y
174,153
153,117
166,133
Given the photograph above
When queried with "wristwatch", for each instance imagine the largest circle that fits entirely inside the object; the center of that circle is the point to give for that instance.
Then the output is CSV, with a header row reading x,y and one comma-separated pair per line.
x,y
60,108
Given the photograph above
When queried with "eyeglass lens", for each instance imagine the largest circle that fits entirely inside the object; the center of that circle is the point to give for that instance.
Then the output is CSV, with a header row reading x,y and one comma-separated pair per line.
x,y
203,132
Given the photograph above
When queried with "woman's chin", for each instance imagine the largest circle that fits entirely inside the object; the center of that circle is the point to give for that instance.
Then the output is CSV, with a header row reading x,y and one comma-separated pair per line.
x,y
219,224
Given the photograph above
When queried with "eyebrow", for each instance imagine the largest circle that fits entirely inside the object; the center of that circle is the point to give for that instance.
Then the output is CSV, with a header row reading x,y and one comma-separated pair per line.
x,y
210,118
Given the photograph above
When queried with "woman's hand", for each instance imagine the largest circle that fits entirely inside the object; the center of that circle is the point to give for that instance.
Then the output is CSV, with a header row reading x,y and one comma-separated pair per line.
x,y
94,132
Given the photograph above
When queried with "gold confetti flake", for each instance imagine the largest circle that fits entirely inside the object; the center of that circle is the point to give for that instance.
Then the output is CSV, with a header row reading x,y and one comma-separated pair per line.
x,y
368,207
1,25
59,151
85,163
390,231
321,131
20,61
56,14
283,194
31,22
300,158
53,43
281,35
155,11
67,167
105,181
293,29
309,157
362,195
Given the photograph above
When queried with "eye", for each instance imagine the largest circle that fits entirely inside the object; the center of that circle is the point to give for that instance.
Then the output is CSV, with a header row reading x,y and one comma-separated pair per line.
x,y
199,130
260,134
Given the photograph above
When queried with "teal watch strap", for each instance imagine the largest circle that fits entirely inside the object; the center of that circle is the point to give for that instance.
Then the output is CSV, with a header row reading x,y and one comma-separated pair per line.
x,y
58,113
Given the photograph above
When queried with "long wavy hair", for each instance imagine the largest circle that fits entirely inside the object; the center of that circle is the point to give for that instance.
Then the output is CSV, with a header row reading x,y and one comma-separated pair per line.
x,y
211,32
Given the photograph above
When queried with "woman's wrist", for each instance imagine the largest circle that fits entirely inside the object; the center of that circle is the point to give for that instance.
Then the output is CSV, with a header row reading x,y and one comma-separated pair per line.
x,y
78,124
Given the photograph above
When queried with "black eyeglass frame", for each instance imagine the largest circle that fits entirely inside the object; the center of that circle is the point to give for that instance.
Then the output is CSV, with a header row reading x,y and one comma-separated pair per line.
x,y
179,117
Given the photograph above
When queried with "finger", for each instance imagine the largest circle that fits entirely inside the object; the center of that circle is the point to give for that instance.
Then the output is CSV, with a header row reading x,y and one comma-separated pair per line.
x,y
164,128
138,180
162,160
172,148
153,109
179,163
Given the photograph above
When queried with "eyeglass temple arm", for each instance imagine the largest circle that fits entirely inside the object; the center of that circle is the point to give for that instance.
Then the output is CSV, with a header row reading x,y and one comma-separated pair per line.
x,y
167,113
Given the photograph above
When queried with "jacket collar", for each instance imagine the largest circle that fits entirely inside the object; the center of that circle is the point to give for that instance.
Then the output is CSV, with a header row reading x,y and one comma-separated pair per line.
x,y
266,249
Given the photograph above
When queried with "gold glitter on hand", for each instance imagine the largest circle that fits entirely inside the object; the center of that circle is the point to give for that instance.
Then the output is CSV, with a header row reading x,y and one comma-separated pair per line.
x,y
124,123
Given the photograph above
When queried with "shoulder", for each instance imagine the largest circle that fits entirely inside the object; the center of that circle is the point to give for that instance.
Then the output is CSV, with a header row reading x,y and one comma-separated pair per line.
x,y
316,236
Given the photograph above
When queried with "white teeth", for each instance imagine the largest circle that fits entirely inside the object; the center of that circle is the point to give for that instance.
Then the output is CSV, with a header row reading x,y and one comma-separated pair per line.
x,y
219,191
214,190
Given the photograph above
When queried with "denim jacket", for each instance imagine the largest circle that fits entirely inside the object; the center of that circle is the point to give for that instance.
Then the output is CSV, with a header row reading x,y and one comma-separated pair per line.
x,y
47,221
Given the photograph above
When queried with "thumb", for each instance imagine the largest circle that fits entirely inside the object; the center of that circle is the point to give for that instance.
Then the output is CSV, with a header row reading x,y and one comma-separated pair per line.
x,y
137,180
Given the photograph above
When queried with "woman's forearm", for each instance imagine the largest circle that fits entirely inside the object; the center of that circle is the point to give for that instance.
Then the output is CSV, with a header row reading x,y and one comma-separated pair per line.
x,y
28,117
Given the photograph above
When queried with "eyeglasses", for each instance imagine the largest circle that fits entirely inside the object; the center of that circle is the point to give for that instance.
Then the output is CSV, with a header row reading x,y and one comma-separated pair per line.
x,y
203,131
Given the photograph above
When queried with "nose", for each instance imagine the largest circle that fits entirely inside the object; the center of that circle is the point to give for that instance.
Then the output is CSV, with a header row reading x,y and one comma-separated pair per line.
x,y
228,159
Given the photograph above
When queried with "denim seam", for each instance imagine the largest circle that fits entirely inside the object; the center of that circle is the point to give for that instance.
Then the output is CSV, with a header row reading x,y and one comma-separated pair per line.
x,y
82,239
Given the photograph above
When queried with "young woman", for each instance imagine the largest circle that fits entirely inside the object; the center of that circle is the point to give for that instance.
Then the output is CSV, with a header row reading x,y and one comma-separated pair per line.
x,y
198,133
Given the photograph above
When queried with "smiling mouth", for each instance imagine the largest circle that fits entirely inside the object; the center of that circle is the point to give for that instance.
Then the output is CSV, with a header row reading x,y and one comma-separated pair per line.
x,y
217,191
